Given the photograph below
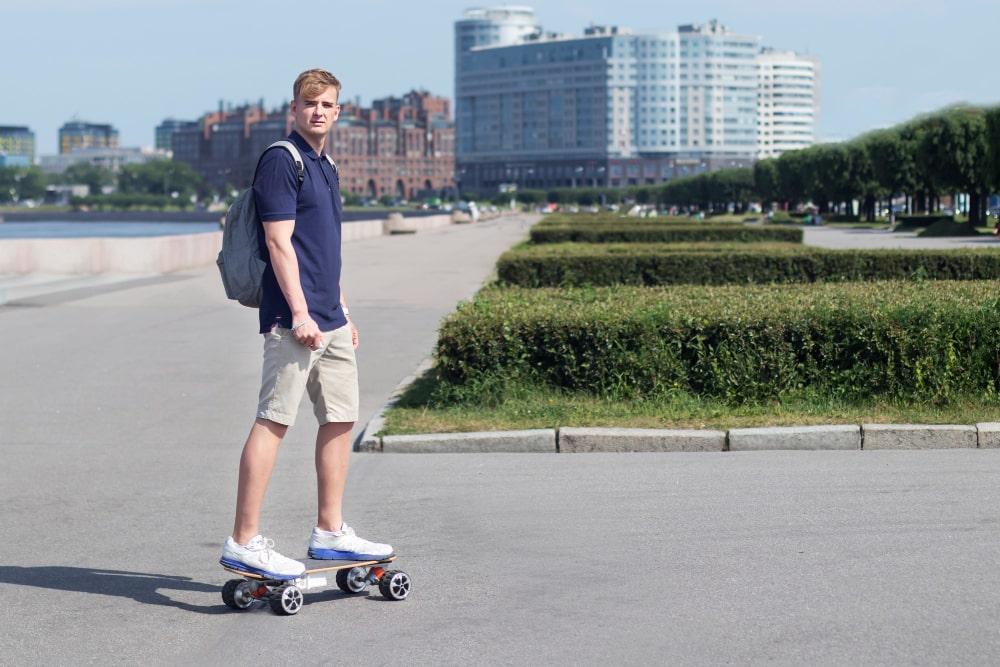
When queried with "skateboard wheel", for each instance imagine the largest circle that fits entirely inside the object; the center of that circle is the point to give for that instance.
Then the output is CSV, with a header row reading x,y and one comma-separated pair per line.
x,y
238,594
353,581
286,601
394,585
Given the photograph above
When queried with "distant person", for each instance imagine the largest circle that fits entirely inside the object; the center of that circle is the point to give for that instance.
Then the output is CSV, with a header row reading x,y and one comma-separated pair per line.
x,y
309,339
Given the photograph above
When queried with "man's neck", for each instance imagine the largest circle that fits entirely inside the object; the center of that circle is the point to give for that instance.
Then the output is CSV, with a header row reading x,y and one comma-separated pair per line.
x,y
316,145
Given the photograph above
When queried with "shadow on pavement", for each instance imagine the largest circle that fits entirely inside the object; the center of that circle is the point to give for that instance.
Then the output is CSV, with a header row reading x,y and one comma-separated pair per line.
x,y
139,586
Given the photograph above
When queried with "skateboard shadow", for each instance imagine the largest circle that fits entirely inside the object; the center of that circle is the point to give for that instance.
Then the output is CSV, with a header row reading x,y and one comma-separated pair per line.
x,y
142,587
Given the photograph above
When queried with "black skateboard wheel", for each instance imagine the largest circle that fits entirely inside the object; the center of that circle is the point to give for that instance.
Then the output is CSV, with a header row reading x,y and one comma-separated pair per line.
x,y
237,594
353,581
394,585
286,601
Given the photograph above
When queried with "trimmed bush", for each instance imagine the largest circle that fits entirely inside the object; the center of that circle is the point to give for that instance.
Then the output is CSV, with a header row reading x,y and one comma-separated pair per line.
x,y
948,227
566,265
652,232
914,221
910,340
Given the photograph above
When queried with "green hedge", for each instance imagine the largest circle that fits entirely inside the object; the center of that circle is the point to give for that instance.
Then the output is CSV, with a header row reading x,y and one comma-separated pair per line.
x,y
611,218
948,227
554,265
911,340
913,221
649,232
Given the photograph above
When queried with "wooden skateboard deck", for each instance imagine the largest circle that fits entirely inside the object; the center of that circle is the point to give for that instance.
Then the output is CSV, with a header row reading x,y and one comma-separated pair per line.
x,y
315,566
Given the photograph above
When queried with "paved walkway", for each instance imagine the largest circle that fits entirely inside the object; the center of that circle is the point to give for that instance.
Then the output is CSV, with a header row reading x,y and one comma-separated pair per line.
x,y
121,419
840,237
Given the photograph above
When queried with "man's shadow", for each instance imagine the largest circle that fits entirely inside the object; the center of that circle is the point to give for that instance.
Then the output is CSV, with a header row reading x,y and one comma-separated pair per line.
x,y
140,586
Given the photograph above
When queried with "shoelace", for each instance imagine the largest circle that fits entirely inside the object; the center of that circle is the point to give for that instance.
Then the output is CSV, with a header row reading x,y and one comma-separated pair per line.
x,y
266,546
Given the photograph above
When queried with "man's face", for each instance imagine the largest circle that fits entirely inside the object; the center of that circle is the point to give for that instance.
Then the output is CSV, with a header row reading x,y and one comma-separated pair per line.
x,y
314,115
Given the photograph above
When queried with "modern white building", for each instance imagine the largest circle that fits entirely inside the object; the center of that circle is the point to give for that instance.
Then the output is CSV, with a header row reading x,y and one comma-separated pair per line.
x,y
494,26
605,108
787,101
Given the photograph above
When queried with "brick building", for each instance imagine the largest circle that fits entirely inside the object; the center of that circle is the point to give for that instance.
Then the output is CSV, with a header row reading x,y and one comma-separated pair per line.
x,y
402,147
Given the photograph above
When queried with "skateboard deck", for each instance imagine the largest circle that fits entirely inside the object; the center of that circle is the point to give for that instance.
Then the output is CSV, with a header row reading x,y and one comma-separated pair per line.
x,y
285,596
316,566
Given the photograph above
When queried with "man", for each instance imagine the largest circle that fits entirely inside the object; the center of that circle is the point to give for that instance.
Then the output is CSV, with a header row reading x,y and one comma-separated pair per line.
x,y
309,340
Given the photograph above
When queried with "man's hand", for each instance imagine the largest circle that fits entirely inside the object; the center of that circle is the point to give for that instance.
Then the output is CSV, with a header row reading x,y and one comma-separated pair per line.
x,y
308,334
355,339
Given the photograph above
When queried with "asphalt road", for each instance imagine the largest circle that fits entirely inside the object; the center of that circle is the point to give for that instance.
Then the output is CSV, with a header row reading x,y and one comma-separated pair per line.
x,y
123,412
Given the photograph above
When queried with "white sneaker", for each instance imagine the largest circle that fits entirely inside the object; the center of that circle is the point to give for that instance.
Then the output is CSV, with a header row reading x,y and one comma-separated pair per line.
x,y
259,557
345,545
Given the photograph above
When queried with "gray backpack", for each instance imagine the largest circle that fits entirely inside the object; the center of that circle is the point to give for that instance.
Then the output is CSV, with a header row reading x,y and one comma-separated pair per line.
x,y
240,260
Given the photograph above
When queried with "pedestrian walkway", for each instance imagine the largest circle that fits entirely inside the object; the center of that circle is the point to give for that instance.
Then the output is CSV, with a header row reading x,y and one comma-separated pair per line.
x,y
844,238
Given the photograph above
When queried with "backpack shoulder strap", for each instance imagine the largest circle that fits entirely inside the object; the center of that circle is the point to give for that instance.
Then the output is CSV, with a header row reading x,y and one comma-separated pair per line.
x,y
300,168
332,163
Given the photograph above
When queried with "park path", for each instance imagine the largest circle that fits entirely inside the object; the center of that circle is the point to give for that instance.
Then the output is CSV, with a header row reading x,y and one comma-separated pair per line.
x,y
843,238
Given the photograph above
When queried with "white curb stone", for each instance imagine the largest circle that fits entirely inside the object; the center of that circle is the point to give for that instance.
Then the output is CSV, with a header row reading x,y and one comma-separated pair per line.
x,y
639,440
540,440
918,436
989,435
843,436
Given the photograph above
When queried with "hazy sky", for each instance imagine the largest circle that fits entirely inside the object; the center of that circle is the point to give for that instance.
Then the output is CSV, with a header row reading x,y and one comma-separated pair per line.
x,y
135,62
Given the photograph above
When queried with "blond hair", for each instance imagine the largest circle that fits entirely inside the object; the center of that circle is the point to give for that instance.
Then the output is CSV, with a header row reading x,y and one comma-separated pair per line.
x,y
313,82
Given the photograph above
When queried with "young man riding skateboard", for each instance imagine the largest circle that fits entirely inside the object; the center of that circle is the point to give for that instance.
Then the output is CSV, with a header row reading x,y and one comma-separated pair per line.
x,y
309,340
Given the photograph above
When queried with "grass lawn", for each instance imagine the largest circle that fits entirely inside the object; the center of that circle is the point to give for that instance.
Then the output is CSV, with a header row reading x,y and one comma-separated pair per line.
x,y
523,408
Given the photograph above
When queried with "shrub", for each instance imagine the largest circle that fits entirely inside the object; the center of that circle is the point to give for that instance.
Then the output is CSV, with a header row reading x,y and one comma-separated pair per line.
x,y
653,232
909,340
948,227
554,265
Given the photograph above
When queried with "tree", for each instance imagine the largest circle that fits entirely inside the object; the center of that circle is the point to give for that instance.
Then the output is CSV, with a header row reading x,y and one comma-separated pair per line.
x,y
892,160
530,196
766,183
952,153
861,178
992,118
84,173
159,177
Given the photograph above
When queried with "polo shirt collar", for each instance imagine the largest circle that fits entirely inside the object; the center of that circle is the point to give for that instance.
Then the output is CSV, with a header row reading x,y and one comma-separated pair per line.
x,y
303,145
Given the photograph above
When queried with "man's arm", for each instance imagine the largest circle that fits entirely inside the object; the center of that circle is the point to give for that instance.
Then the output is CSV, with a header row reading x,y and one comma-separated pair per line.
x,y
285,263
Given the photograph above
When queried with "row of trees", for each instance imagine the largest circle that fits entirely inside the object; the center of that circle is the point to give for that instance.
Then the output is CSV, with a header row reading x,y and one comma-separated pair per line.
x,y
953,151
163,178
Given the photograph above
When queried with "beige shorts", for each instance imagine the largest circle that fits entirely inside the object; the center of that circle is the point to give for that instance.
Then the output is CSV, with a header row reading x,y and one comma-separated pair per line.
x,y
329,374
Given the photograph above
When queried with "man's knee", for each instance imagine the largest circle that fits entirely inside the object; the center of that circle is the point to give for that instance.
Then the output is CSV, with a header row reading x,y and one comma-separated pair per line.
x,y
274,428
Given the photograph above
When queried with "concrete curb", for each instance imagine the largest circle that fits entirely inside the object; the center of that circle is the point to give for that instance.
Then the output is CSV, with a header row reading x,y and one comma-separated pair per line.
x,y
988,435
640,440
566,439
919,436
540,440
795,438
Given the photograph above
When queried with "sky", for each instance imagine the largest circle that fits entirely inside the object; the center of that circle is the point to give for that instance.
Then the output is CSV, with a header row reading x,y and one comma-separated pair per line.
x,y
133,63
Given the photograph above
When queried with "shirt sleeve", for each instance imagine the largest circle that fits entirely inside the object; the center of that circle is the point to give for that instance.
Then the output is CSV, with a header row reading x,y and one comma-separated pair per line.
x,y
276,186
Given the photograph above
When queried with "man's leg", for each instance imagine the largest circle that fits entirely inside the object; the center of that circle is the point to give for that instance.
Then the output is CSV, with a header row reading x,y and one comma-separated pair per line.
x,y
333,388
333,451
256,464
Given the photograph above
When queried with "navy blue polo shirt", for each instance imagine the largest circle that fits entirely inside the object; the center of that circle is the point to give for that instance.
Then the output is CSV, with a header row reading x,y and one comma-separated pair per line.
x,y
315,207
